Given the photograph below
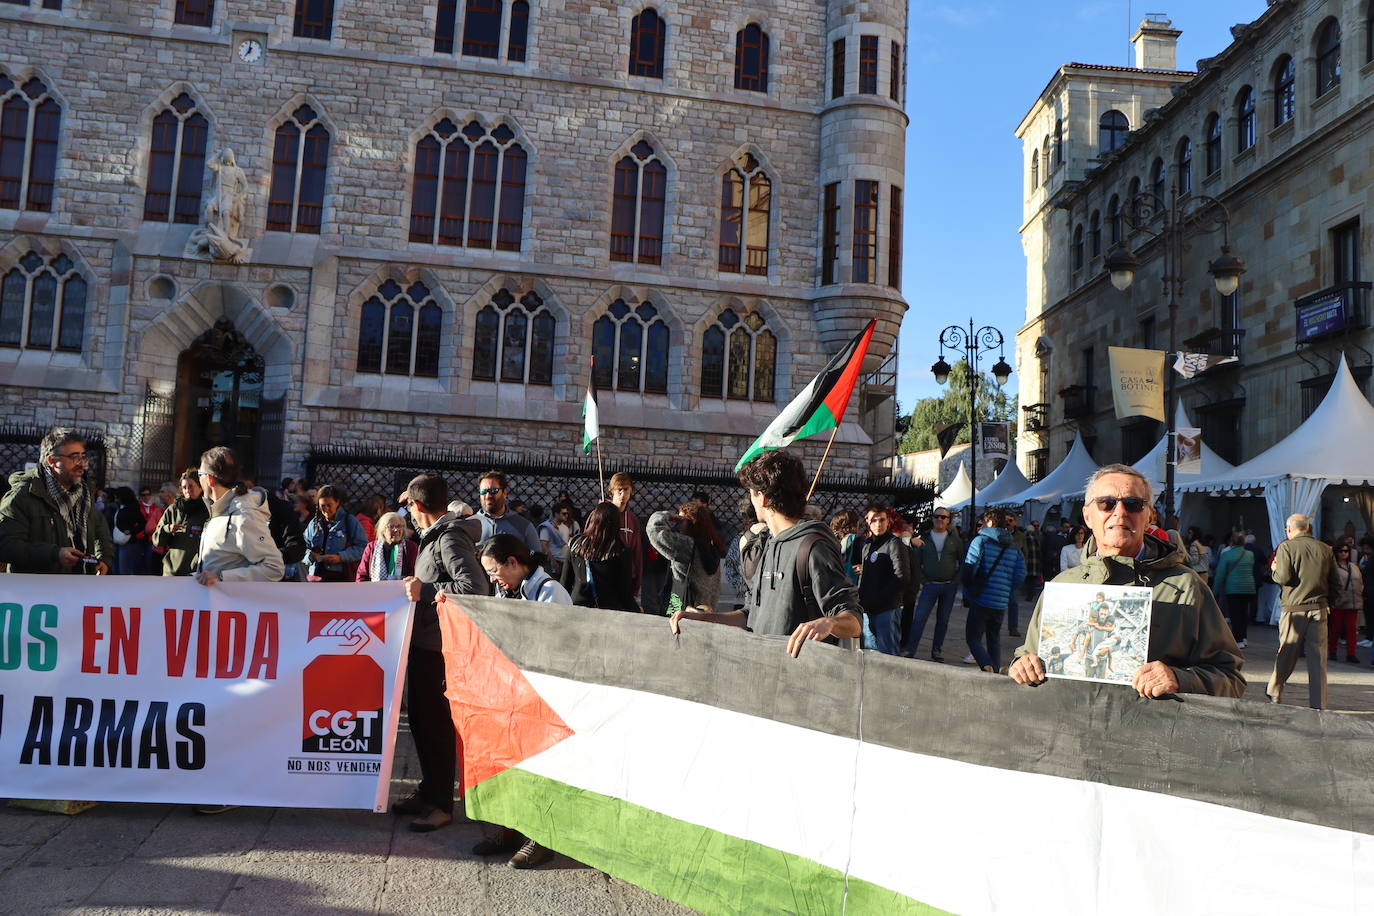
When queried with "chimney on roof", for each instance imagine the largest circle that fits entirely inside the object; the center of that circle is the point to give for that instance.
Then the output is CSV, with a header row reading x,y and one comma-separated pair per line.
x,y
1156,43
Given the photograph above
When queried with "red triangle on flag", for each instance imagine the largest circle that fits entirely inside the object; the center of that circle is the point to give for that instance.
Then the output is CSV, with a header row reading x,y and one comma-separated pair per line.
x,y
501,719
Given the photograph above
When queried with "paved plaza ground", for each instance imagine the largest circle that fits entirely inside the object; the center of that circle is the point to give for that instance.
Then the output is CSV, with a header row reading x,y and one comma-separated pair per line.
x,y
164,859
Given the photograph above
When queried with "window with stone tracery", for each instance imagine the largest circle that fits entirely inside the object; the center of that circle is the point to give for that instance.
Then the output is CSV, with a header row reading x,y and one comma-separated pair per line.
x,y
514,340
300,159
43,304
30,124
746,200
469,187
176,163
400,331
638,201
630,349
738,358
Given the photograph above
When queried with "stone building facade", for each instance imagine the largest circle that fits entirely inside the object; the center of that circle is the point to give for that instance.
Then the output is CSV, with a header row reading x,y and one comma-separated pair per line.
x,y
439,206
1277,127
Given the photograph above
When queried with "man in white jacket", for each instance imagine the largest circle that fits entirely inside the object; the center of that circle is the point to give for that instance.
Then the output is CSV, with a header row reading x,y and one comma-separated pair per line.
x,y
235,545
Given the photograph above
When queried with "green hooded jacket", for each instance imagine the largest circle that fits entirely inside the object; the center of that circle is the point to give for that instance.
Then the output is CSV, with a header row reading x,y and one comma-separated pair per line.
x,y
32,530
1187,631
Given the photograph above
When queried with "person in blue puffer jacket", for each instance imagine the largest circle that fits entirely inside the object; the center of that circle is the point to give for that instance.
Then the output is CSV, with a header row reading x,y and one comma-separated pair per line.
x,y
336,540
993,570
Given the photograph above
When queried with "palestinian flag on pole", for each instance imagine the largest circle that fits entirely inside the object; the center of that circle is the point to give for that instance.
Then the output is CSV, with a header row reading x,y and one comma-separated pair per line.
x,y
713,770
591,417
820,405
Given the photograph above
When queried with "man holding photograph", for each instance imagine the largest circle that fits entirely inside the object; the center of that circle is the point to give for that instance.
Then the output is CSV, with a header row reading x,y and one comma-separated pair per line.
x,y
1191,646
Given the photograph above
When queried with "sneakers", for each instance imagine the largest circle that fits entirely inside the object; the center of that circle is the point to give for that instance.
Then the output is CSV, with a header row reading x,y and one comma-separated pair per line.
x,y
969,659
1240,644
409,805
1365,644
937,656
506,841
436,818
530,855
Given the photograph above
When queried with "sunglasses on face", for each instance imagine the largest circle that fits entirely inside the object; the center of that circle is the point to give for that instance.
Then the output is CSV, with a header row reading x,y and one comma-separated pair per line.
x,y
1133,504
489,491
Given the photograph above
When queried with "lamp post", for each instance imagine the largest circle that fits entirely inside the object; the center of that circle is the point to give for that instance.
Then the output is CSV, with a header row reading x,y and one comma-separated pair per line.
x,y
968,341
1170,222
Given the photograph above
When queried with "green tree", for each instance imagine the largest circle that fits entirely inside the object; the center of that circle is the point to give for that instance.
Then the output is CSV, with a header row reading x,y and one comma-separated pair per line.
x,y
952,407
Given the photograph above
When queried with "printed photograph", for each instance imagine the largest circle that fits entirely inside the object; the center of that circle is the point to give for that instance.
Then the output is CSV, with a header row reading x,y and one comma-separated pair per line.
x,y
1094,632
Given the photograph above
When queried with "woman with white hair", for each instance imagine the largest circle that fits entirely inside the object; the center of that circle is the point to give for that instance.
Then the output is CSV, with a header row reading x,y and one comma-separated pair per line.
x,y
390,556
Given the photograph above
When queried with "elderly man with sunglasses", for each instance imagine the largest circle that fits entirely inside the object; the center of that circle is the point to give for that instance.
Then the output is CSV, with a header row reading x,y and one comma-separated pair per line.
x,y
1191,646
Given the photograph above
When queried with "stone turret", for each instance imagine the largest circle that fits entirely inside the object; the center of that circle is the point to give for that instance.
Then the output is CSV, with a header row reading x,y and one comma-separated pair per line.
x,y
862,153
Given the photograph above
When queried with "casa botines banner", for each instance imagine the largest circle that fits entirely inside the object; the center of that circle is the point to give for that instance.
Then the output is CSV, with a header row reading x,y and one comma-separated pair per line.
x,y
152,689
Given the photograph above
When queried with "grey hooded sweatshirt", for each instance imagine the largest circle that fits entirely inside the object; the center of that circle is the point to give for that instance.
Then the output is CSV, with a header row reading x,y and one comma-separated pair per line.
x,y
776,604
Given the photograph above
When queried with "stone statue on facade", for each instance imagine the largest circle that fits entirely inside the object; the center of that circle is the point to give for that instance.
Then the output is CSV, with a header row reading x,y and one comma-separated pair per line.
x,y
220,236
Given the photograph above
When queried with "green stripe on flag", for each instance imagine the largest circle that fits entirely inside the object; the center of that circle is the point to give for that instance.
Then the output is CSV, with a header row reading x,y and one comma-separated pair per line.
x,y
695,866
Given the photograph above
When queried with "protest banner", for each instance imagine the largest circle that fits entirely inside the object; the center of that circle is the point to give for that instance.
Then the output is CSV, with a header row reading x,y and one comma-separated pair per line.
x,y
157,689
712,769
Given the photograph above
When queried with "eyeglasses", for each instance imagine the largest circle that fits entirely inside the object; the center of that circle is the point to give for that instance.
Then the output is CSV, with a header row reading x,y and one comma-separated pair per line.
x,y
945,517
1132,504
74,457
489,490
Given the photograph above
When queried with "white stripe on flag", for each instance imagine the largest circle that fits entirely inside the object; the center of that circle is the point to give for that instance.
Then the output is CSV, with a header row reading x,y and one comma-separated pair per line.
x,y
958,836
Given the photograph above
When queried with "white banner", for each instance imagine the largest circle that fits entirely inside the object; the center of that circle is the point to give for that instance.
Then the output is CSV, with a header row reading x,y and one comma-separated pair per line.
x,y
153,689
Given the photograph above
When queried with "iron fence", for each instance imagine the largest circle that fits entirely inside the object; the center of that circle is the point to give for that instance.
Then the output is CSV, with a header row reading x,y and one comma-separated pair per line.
x,y
542,482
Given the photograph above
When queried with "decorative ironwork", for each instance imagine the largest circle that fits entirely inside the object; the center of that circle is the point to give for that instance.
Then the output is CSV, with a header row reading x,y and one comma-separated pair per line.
x,y
19,449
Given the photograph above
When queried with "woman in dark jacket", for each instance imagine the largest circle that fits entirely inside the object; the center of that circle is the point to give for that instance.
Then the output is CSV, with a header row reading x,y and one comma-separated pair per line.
x,y
885,571
597,571
178,531
132,555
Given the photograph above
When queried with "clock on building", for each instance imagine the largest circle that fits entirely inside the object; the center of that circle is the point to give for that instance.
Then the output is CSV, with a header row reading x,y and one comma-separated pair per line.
x,y
250,51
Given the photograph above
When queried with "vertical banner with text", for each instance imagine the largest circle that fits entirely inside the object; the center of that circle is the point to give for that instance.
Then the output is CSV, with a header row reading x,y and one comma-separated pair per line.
x,y
152,689
995,440
1137,382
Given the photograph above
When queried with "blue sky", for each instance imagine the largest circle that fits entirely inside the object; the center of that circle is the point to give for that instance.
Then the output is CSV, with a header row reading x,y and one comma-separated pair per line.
x,y
974,69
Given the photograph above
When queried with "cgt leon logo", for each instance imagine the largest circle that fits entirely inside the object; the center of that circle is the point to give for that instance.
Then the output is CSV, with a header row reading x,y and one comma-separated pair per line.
x,y
342,689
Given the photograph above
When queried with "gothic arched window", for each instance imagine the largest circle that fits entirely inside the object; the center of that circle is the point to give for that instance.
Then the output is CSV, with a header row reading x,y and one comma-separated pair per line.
x,y
43,304
300,157
738,358
751,58
746,199
195,12
176,163
637,205
400,331
314,18
648,34
630,349
514,337
30,123
465,182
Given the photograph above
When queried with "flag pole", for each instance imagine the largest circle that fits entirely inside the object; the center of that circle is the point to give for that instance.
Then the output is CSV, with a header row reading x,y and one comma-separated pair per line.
x,y
600,471
833,433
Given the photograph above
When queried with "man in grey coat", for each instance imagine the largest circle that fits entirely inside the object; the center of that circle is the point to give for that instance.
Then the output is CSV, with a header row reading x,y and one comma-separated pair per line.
x,y
447,561
1306,570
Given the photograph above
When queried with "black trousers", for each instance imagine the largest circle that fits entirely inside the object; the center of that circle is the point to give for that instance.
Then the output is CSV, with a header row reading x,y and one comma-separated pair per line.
x,y
431,726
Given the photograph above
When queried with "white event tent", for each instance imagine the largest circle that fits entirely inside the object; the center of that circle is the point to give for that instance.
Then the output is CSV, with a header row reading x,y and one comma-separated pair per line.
x,y
1334,446
1067,479
958,491
1008,483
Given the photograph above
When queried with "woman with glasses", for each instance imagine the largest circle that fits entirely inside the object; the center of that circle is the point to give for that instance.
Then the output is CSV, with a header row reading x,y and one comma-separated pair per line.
x,y
1349,600
1071,555
1235,586
391,555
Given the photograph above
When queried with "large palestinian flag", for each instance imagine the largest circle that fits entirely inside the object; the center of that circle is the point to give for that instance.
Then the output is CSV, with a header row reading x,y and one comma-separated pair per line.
x,y
714,770
820,405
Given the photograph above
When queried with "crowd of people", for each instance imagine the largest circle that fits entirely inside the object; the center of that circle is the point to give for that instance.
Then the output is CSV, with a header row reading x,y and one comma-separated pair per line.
x,y
787,571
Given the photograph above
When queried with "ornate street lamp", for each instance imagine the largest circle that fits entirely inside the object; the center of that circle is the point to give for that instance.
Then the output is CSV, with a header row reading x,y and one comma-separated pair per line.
x,y
1170,223
968,341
